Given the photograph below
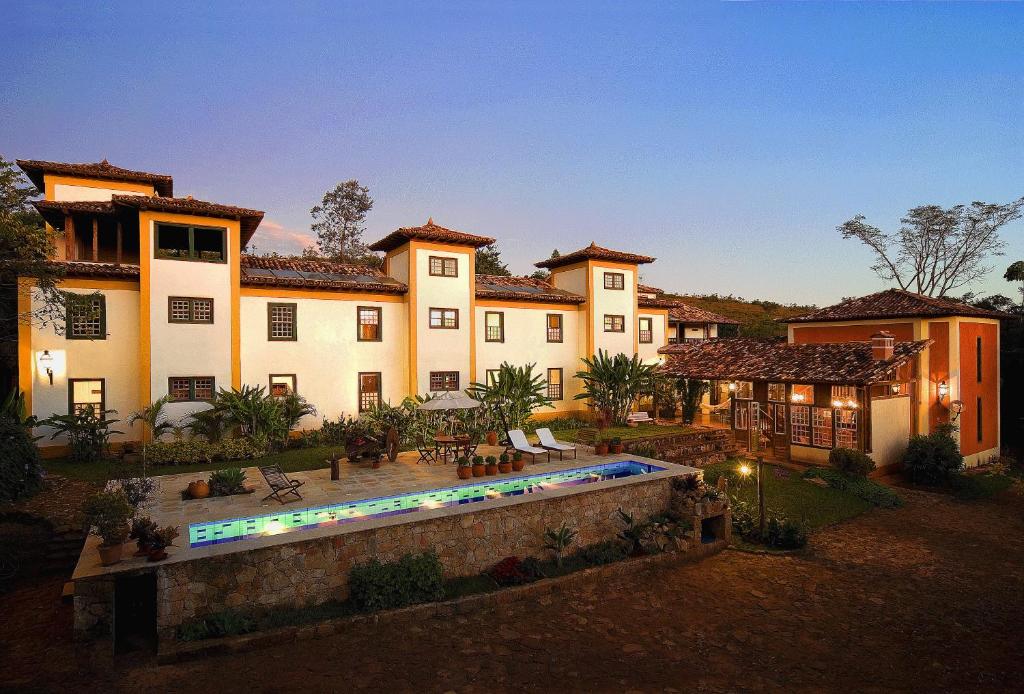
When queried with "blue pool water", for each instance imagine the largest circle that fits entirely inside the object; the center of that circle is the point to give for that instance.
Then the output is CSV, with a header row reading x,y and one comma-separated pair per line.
x,y
287,520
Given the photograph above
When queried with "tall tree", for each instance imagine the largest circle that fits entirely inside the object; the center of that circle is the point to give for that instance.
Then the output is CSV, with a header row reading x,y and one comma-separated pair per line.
x,y
338,222
1015,273
25,251
936,250
488,261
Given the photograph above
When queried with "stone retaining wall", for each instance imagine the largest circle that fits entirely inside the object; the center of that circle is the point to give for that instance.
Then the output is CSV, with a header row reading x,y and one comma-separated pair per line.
x,y
696,448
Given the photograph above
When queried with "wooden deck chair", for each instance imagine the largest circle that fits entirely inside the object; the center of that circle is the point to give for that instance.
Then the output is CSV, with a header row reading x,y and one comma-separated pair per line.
x,y
428,454
279,483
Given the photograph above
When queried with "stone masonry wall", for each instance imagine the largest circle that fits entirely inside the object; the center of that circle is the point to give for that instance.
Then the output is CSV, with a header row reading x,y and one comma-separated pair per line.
x,y
314,571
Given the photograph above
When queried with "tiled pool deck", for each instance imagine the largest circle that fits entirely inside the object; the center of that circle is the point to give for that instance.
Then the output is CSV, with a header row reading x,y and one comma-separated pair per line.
x,y
358,481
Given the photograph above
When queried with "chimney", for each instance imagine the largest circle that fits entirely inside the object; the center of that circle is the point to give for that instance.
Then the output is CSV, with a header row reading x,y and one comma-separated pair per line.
x,y
881,345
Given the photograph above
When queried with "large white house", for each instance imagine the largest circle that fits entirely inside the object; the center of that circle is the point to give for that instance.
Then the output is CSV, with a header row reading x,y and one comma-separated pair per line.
x,y
178,309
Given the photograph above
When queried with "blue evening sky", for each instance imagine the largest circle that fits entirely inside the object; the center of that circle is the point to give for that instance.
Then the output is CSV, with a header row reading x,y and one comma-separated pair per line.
x,y
726,139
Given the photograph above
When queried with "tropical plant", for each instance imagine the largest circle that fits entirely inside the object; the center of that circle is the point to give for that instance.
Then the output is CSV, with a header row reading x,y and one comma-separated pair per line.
x,y
513,396
382,416
257,414
209,423
88,432
109,512
612,384
558,541
664,398
633,533
691,392
154,419
227,481
14,408
293,408
21,471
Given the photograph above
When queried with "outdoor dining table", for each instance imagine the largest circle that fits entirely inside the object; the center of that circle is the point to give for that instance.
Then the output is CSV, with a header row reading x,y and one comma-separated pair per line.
x,y
446,445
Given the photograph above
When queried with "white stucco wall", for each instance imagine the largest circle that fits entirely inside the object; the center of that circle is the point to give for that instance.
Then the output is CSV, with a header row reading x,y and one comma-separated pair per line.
x,y
184,349
441,349
115,359
649,351
614,302
890,429
327,358
398,266
526,342
64,192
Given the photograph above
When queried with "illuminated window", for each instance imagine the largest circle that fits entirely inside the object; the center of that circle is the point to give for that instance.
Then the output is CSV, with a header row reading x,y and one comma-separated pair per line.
x,y
802,394
444,267
282,385
554,327
800,424
614,324
780,419
646,331
369,323
846,429
494,326
844,396
369,390
614,280
555,384
444,380
86,396
86,317
742,418
821,431
744,390
187,309
777,392
281,322
444,318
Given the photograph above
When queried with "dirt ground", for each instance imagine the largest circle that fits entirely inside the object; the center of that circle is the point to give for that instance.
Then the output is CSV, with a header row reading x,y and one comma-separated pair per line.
x,y
925,598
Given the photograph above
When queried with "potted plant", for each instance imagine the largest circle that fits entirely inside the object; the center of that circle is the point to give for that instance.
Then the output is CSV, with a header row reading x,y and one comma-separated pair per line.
x,y
465,468
108,513
492,437
492,465
478,466
504,464
199,489
518,462
162,539
616,446
142,532
601,447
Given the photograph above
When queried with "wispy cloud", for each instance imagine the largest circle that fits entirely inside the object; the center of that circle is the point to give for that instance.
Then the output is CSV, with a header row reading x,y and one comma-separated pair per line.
x,y
273,236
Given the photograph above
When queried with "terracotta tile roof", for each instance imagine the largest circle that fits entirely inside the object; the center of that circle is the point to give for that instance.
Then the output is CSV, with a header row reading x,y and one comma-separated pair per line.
x,y
430,232
595,252
316,274
647,289
104,170
53,211
77,268
685,313
523,289
894,303
249,219
750,359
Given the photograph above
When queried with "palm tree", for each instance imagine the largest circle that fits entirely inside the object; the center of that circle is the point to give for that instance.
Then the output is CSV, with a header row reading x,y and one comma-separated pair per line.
x,y
513,395
612,384
155,420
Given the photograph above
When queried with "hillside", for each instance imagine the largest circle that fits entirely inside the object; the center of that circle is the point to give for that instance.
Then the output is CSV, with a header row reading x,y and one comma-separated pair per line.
x,y
757,317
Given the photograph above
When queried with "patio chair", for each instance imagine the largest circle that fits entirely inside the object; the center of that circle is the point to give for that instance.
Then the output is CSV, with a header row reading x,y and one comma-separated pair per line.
x,y
519,442
280,485
548,441
428,454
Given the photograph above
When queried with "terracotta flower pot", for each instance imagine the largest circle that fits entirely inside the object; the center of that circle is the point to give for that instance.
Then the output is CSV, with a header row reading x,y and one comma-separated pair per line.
x,y
376,463
158,555
617,448
504,468
110,555
518,465
492,438
478,470
492,469
601,448
465,472
199,489
143,550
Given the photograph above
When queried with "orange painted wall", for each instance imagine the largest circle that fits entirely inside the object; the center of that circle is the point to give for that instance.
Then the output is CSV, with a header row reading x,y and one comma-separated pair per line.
x,y
938,370
971,389
850,333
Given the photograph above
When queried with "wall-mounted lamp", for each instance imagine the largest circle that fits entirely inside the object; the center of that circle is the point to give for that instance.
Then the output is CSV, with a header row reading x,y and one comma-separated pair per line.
x,y
46,363
849,404
895,388
797,397
943,390
732,385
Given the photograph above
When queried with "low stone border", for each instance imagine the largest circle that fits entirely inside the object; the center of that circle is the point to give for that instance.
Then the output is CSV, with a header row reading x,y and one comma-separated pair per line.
x,y
180,651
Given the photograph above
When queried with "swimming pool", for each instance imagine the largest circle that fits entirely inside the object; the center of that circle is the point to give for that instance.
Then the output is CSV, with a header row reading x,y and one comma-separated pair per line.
x,y
286,521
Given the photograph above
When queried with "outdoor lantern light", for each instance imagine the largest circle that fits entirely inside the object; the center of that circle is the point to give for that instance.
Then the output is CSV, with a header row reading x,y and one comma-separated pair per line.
x,y
943,390
895,388
797,397
732,385
837,403
745,470
852,404
46,362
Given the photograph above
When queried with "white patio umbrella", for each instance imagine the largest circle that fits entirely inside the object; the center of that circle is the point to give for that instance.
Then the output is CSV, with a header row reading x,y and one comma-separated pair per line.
x,y
450,400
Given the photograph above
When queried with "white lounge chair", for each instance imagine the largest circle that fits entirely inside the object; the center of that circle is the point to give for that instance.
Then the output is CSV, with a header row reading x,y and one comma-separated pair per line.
x,y
519,442
548,441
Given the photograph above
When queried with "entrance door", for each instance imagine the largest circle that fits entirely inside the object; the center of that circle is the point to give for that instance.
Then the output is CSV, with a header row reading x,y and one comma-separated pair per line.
x,y
754,431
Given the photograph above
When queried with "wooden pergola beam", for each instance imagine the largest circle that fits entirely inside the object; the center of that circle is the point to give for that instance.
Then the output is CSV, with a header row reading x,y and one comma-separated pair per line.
x,y
95,239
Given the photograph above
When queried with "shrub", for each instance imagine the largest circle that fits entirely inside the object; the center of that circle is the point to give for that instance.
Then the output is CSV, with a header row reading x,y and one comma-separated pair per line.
x,y
511,571
600,553
850,462
88,432
933,459
108,513
226,623
136,490
783,533
645,449
979,486
861,487
181,452
412,579
241,448
21,474
227,481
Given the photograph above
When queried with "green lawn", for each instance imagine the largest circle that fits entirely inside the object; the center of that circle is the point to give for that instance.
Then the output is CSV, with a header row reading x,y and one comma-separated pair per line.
x,y
790,496
626,433
294,460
